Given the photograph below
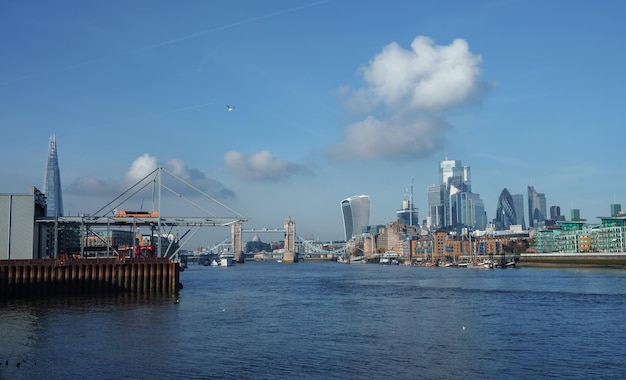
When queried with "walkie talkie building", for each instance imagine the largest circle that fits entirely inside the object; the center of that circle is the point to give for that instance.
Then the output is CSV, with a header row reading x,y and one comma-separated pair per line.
x,y
52,182
356,214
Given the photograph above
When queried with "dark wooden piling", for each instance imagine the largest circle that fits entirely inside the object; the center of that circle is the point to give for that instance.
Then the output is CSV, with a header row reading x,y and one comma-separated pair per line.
x,y
71,276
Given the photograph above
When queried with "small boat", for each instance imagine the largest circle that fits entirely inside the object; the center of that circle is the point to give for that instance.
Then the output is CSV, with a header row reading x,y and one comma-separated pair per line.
x,y
227,259
214,263
227,262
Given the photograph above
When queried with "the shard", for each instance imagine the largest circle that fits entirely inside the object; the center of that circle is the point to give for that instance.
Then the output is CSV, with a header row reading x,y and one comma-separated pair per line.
x,y
52,182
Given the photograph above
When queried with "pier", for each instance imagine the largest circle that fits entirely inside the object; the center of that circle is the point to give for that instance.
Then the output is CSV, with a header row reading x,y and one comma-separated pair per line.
x,y
66,276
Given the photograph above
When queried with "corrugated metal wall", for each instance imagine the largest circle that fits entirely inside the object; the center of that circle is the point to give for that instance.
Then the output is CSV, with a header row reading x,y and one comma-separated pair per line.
x,y
17,221
5,225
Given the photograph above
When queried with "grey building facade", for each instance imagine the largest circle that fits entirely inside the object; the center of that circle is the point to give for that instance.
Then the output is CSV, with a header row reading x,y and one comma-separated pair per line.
x,y
21,237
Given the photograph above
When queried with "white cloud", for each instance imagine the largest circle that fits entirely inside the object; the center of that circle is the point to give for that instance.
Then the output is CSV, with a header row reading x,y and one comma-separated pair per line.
x,y
415,87
93,187
373,138
140,168
428,76
262,165
196,178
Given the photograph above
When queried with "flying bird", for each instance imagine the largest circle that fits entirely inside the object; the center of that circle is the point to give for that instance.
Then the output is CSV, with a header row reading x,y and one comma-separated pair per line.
x,y
230,108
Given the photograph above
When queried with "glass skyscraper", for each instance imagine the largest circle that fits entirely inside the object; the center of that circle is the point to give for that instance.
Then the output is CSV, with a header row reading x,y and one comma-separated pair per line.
x,y
436,205
52,182
408,214
451,172
616,209
451,203
536,207
506,214
356,215
518,205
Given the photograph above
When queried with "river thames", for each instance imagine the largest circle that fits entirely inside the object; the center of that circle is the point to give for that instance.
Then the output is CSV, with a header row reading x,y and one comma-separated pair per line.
x,y
325,320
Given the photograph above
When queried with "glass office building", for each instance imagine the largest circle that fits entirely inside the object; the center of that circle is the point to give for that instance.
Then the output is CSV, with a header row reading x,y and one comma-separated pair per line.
x,y
536,207
52,182
356,215
506,214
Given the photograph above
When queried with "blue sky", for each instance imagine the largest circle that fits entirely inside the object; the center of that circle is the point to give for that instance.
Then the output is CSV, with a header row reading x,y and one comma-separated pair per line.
x,y
333,98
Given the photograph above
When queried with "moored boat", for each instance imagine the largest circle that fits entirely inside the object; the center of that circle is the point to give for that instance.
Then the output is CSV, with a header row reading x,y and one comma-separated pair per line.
x,y
227,259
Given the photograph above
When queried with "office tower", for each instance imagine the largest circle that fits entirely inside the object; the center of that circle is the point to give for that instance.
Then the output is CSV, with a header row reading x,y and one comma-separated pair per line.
x,y
555,213
436,201
52,182
506,214
451,172
407,214
616,209
536,207
466,210
518,205
575,213
479,213
356,215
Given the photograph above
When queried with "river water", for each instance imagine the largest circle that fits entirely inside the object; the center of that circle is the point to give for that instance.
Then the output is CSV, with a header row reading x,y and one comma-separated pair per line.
x,y
324,320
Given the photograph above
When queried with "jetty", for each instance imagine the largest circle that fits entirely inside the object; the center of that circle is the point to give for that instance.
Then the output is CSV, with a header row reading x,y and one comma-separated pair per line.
x,y
68,276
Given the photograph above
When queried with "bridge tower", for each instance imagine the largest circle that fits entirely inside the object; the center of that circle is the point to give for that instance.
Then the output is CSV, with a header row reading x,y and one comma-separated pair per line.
x,y
290,241
237,241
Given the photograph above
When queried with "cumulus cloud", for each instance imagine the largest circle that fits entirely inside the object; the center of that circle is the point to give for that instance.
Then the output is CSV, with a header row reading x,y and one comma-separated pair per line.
x,y
374,138
143,166
261,166
416,87
93,187
196,178
426,77
146,164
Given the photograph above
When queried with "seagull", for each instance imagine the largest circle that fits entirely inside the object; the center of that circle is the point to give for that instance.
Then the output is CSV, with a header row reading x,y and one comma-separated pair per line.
x,y
230,108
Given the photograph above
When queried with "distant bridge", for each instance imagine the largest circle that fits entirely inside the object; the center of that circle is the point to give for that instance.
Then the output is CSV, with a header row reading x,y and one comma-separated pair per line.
x,y
308,246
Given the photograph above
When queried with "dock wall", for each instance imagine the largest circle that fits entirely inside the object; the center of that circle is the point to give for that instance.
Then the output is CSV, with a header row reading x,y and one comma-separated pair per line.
x,y
101,276
617,259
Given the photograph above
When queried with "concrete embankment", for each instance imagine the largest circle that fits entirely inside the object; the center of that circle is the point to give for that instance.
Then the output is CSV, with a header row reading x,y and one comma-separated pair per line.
x,y
573,259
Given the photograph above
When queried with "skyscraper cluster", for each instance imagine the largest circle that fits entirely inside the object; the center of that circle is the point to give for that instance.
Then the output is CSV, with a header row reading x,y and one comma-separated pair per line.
x,y
451,203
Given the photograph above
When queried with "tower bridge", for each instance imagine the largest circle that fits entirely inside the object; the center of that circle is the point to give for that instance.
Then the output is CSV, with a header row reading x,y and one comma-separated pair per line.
x,y
302,245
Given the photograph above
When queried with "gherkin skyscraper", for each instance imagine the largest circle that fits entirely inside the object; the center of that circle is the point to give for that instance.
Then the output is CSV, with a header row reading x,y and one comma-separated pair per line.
x,y
52,182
